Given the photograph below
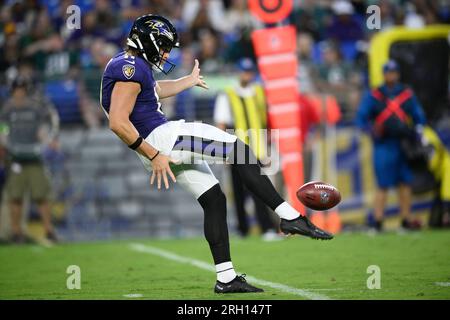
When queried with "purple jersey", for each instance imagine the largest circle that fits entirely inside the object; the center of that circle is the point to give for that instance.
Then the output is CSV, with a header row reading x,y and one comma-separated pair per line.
x,y
147,113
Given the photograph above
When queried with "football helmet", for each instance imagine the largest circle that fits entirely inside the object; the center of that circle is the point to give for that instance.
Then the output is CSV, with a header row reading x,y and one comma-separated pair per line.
x,y
153,36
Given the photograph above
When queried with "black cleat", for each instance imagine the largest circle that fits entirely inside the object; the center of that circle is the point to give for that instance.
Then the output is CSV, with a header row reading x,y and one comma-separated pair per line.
x,y
304,227
237,285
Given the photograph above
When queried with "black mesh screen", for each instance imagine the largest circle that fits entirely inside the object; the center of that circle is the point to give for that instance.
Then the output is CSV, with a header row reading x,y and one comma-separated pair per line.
x,y
425,67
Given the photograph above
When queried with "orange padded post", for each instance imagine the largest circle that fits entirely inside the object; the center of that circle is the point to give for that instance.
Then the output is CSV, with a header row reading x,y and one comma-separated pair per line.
x,y
278,65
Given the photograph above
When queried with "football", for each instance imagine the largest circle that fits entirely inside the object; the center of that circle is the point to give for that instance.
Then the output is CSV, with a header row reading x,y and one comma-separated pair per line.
x,y
319,195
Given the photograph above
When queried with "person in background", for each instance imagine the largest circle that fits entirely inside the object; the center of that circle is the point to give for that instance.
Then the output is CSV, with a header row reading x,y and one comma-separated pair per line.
x,y
209,51
305,74
47,50
391,113
29,120
345,27
201,14
243,108
338,78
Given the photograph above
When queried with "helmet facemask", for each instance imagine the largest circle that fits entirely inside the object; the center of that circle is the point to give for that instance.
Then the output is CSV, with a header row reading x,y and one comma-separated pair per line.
x,y
159,61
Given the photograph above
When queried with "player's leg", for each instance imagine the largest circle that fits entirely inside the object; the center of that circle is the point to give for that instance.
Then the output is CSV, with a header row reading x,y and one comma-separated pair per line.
x,y
209,142
203,185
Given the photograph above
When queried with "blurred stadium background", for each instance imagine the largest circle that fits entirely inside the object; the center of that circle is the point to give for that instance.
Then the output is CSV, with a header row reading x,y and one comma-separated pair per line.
x,y
100,189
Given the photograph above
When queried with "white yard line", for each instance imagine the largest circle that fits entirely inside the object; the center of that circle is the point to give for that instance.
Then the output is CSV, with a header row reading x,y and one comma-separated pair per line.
x,y
209,267
442,284
133,295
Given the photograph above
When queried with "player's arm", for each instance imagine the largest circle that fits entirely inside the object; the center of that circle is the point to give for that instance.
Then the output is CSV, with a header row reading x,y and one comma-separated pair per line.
x,y
123,98
169,88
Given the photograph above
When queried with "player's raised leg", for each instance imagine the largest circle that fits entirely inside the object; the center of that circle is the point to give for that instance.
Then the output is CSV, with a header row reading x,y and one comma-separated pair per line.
x,y
292,222
210,142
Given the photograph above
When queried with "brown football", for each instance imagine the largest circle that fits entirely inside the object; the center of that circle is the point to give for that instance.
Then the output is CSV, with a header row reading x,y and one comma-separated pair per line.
x,y
319,195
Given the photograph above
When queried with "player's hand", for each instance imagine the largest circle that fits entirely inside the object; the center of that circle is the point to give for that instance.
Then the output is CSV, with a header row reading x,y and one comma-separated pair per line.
x,y
161,169
197,77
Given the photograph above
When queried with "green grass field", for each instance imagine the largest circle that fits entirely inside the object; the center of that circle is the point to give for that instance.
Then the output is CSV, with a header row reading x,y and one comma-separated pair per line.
x,y
413,266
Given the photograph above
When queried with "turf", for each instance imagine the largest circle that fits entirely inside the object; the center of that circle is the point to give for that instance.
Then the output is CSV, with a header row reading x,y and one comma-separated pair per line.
x,y
411,265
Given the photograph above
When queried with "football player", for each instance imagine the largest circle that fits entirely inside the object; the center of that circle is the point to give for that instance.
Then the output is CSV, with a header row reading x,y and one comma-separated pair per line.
x,y
130,98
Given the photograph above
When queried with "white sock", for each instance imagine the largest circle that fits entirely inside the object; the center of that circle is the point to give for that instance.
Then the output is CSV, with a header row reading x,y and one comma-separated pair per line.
x,y
286,211
225,272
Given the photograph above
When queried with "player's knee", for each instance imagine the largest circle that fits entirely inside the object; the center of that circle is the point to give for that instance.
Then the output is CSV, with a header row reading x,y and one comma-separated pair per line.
x,y
213,203
213,200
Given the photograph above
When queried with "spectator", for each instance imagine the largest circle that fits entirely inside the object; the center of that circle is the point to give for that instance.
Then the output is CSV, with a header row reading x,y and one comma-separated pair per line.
x,y
345,27
238,18
312,17
26,118
338,78
209,52
46,48
385,112
8,54
239,47
99,55
304,51
413,19
200,14
388,14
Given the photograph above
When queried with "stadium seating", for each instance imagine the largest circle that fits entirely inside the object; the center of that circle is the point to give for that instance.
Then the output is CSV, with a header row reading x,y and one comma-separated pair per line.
x,y
64,95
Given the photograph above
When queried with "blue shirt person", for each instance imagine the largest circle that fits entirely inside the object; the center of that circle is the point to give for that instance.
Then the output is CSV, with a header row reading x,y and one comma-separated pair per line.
x,y
391,113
